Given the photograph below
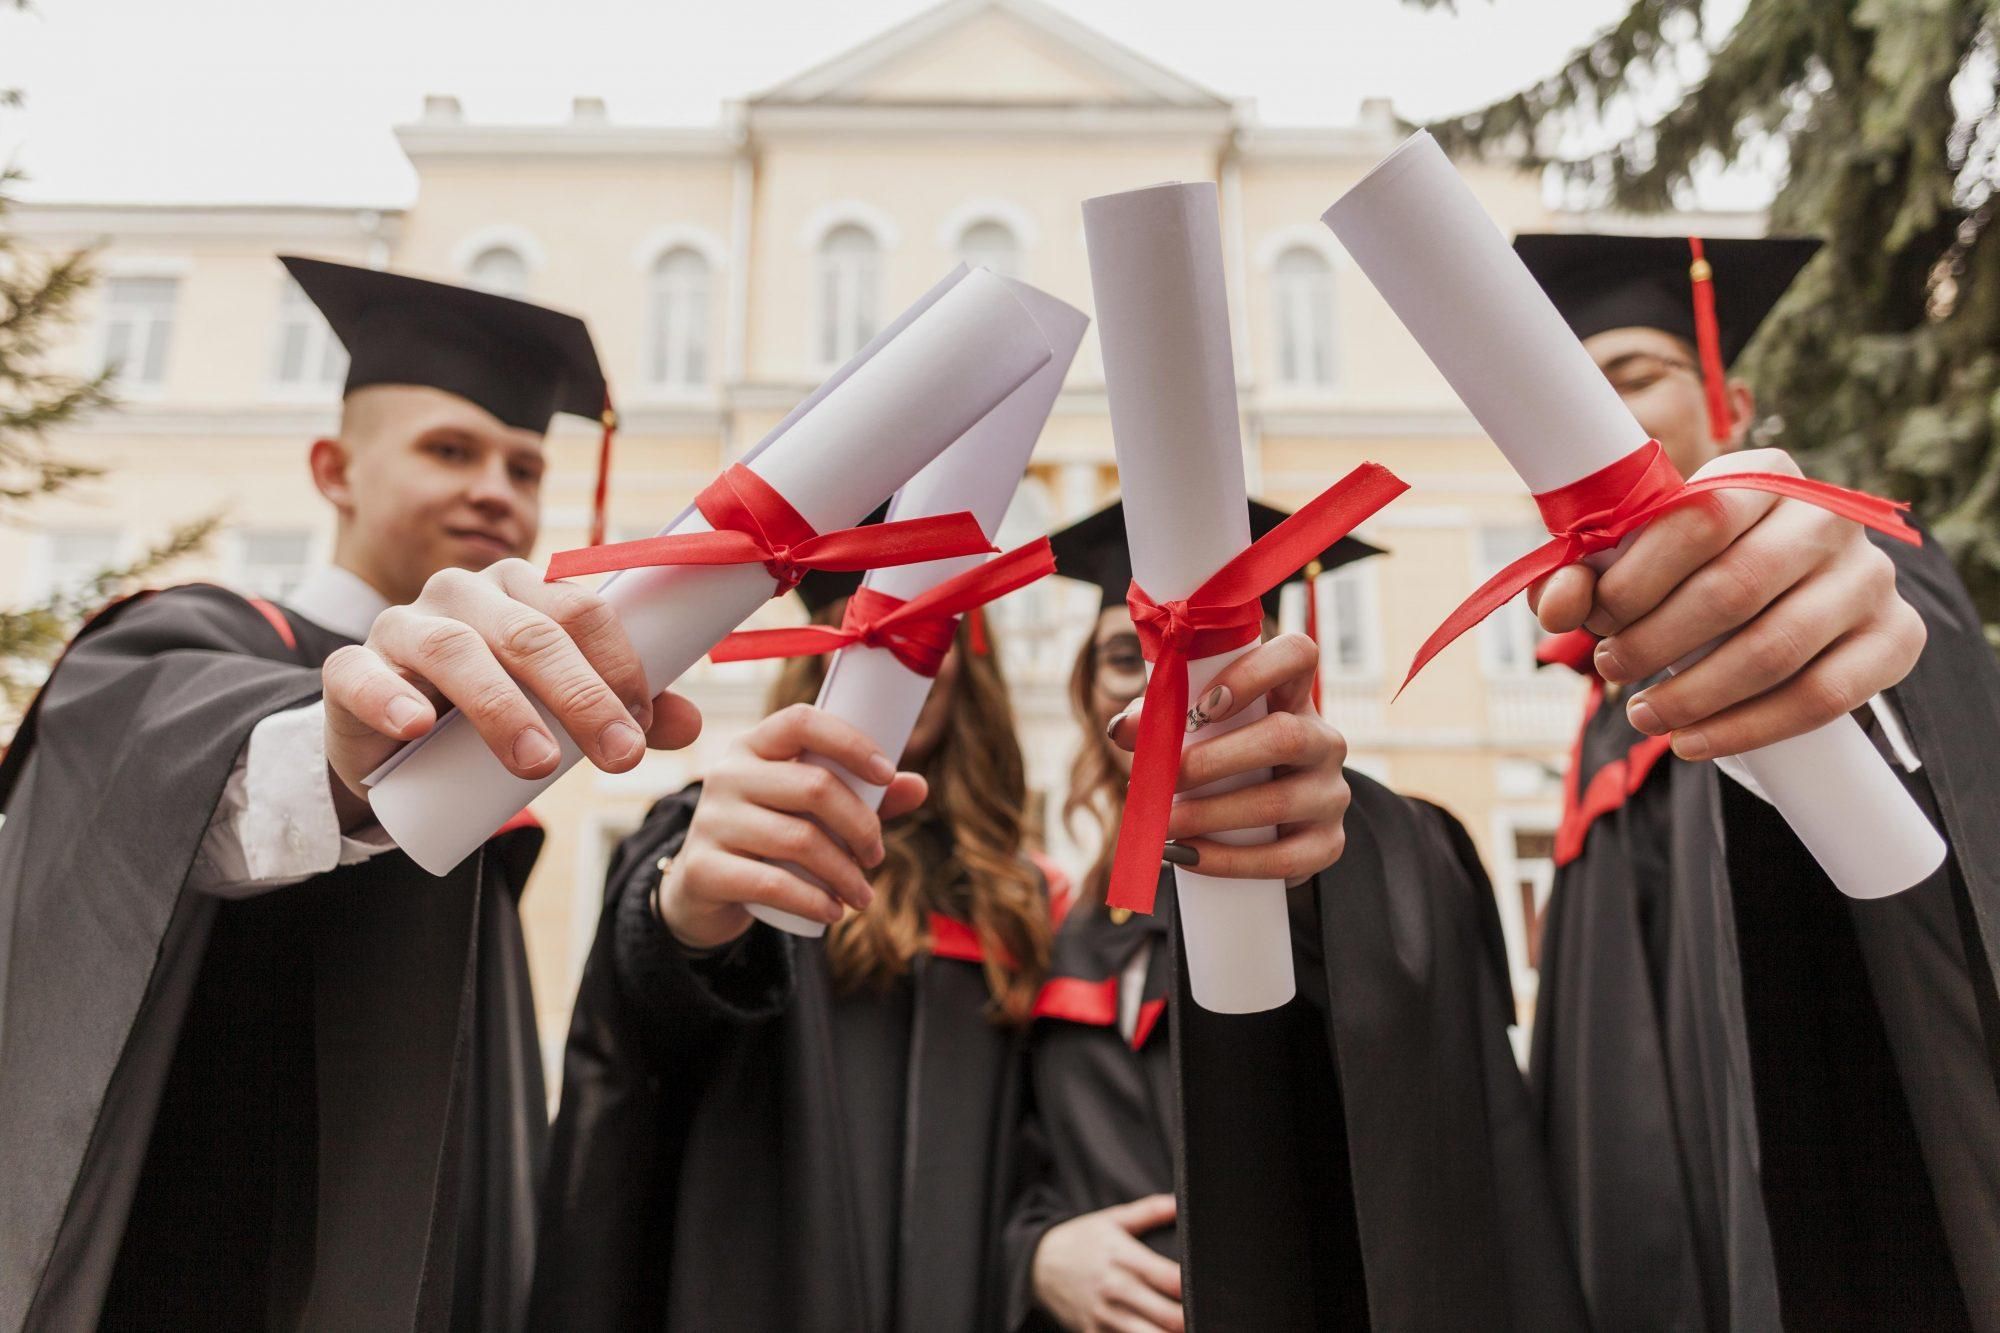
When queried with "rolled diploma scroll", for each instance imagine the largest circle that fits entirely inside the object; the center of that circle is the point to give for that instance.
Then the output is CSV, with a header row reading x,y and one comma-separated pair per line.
x,y
918,386
980,472
1163,323
1416,230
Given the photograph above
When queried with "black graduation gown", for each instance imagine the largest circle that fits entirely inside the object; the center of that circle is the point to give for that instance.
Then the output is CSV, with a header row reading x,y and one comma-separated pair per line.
x,y
739,1147
1364,1156
1102,1124
317,1107
1766,1103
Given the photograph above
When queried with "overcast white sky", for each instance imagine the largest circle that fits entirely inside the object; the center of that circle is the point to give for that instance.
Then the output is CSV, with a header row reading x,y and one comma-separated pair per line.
x,y
292,102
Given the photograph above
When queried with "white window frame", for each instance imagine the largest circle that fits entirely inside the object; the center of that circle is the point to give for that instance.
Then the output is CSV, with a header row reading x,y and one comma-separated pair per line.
x,y
322,350
853,312
1506,824
1363,578
170,271
1297,316
44,582
1511,622
240,556
668,345
821,225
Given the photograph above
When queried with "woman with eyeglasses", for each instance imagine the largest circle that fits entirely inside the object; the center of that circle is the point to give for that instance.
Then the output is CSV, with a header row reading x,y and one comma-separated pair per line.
x,y
1360,1157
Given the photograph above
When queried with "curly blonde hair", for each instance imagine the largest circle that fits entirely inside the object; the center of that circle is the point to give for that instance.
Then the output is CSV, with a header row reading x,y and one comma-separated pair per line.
x,y
978,799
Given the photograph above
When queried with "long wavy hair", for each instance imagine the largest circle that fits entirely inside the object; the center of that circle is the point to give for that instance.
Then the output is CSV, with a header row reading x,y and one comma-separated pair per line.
x,y
979,796
1096,783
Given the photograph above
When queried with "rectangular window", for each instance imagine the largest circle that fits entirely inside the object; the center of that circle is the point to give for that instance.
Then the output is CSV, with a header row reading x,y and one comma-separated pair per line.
x,y
1349,643
75,556
138,328
1534,855
307,353
1508,639
274,560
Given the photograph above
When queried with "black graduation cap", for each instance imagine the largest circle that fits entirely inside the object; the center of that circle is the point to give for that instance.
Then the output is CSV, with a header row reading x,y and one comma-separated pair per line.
x,y
821,588
1093,550
522,362
1712,292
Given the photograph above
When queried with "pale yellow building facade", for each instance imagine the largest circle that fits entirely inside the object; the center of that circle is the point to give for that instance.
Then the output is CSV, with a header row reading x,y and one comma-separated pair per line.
x,y
725,268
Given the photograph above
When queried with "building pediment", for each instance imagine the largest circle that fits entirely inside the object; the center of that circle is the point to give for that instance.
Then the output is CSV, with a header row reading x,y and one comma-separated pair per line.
x,y
991,53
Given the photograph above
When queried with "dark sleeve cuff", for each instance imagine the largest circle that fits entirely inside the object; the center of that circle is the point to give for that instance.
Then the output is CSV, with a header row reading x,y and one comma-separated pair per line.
x,y
749,981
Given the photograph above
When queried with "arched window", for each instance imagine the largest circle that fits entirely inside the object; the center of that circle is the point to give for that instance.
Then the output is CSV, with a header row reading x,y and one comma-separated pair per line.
x,y
499,269
677,325
850,278
991,244
1302,294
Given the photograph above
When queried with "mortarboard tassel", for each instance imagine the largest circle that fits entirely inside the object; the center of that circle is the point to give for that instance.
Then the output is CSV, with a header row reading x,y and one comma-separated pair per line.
x,y
975,633
1312,620
600,496
1708,342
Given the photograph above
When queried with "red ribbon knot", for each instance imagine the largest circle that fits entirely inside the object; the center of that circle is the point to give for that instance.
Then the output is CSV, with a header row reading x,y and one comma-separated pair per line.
x,y
1223,613
918,631
1604,508
752,524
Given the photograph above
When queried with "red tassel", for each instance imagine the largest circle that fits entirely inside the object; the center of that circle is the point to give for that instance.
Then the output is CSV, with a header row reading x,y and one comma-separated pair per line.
x,y
975,633
601,495
1312,623
1708,342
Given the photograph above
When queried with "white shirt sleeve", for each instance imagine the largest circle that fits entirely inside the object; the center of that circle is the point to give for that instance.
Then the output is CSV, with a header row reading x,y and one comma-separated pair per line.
x,y
275,824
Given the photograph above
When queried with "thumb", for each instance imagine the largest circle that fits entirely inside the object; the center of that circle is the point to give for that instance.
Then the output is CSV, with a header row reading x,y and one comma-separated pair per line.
x,y
906,791
1564,600
1143,1215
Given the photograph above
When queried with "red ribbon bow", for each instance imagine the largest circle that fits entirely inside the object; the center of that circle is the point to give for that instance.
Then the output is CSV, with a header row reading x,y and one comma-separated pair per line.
x,y
918,631
754,525
1221,614
1598,512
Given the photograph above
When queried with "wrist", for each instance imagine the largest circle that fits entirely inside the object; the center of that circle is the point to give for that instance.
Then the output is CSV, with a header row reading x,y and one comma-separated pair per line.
x,y
697,928
350,807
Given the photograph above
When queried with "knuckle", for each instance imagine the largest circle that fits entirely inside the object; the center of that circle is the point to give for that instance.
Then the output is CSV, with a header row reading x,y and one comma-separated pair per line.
x,y
1775,651
1736,589
444,642
530,634
446,583
1290,737
817,785
1829,694
795,839
493,702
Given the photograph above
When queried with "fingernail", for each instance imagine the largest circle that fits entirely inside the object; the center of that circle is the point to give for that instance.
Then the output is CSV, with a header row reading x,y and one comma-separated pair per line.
x,y
620,741
1111,727
642,713
1690,745
1641,714
880,771
533,749
876,855
1608,665
403,712
1208,707
1175,854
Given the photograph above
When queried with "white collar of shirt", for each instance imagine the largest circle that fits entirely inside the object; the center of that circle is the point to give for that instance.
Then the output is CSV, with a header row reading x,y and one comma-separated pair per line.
x,y
339,600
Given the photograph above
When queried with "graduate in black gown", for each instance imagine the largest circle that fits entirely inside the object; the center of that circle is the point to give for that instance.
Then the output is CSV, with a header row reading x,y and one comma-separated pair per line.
x,y
1363,1156
761,1131
257,1069
1766,1104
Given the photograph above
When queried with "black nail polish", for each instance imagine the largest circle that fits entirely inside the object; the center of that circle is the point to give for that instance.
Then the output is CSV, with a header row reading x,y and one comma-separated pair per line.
x,y
1175,854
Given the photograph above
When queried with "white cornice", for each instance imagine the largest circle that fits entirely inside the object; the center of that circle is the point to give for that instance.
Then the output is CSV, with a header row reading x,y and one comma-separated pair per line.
x,y
1271,143
994,120
427,144
279,224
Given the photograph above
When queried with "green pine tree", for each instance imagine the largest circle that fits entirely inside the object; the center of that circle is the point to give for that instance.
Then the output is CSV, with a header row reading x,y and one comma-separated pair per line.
x,y
1882,368
37,304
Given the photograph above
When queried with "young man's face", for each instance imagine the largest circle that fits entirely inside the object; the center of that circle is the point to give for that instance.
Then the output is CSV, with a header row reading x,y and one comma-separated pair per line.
x,y
425,480
1657,376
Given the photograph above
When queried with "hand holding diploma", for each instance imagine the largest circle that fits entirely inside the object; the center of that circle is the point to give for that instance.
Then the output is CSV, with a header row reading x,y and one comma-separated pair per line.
x,y
1814,623
1294,755
757,803
485,643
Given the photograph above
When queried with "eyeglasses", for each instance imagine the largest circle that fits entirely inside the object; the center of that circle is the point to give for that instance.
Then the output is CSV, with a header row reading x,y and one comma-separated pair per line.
x,y
1640,371
1121,666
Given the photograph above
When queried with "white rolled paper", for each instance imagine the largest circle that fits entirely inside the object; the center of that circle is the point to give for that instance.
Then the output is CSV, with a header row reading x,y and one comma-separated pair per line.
x,y
1444,267
1163,323
961,349
869,687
